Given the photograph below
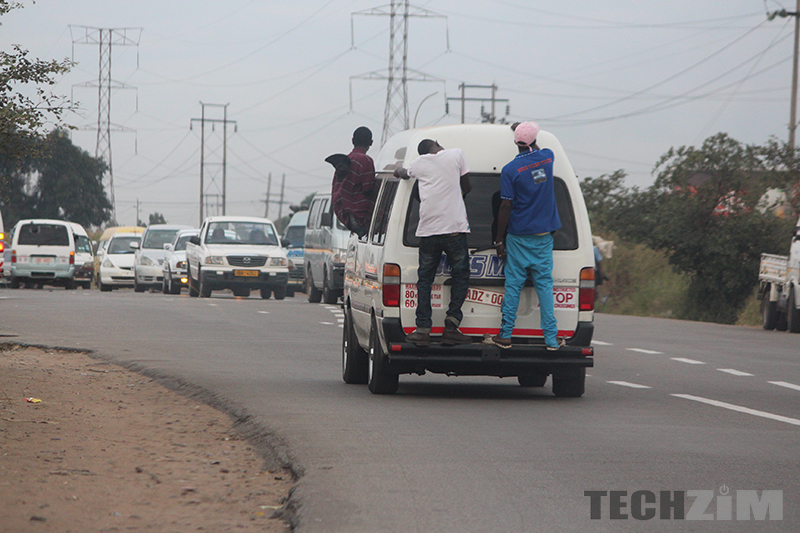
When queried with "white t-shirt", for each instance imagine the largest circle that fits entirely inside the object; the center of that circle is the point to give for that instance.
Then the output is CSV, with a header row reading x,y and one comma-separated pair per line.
x,y
442,210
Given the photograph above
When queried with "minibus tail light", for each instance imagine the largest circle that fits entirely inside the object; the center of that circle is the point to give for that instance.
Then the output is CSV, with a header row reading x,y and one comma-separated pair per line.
x,y
72,258
586,294
391,285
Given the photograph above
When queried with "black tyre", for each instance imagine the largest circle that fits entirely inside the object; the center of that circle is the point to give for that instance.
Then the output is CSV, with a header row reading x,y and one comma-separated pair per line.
x,y
355,359
380,379
14,282
193,292
203,288
266,292
279,292
532,380
781,322
136,286
103,288
314,294
792,313
329,294
165,285
572,385
174,288
769,313
70,284
289,291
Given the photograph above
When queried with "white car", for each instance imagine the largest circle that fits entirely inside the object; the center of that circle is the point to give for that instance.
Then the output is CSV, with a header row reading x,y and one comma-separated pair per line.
x,y
173,269
42,252
150,254
116,267
380,294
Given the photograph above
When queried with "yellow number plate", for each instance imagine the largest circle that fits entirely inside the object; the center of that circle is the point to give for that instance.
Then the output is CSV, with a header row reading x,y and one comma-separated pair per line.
x,y
246,273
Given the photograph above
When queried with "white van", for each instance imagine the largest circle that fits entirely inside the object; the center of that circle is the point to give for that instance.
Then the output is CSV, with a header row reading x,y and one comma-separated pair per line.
x,y
325,249
84,258
42,252
381,273
294,235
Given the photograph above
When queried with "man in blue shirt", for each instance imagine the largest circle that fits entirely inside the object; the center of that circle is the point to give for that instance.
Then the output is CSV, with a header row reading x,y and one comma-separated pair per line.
x,y
528,212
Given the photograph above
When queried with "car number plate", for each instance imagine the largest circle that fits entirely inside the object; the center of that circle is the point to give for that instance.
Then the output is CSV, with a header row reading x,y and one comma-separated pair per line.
x,y
247,273
482,296
43,260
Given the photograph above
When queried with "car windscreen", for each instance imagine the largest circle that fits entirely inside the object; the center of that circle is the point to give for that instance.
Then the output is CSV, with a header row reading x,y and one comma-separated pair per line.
x,y
483,204
157,238
234,232
43,235
181,244
122,245
82,244
296,236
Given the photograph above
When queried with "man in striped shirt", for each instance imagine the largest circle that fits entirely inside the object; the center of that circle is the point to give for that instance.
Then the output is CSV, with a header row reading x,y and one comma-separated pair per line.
x,y
354,186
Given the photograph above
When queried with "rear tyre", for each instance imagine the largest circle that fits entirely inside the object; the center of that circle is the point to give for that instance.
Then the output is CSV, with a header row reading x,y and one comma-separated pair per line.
x,y
570,386
204,289
314,294
266,293
165,285
14,282
193,292
532,380
70,284
792,313
355,359
174,288
290,291
769,313
380,380
279,292
136,286
329,295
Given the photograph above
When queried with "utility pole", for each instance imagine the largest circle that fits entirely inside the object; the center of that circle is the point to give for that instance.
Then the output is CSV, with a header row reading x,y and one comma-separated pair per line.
x,y
280,205
224,164
106,39
793,107
491,117
266,202
395,114
136,222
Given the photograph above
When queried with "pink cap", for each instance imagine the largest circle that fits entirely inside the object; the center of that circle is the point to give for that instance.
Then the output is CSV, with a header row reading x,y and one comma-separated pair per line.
x,y
526,133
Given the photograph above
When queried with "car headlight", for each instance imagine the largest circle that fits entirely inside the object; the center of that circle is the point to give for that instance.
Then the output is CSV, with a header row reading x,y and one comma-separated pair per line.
x,y
108,264
88,265
277,261
145,261
215,260
180,264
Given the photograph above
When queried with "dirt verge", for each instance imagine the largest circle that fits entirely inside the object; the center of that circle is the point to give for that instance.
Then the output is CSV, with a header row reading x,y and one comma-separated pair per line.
x,y
89,446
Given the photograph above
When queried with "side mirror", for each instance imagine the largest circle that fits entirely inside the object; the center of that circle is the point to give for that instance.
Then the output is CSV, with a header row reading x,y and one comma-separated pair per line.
x,y
286,243
327,220
134,245
194,239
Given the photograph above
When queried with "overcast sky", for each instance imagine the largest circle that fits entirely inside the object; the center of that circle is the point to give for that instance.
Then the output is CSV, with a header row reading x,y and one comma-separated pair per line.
x,y
619,82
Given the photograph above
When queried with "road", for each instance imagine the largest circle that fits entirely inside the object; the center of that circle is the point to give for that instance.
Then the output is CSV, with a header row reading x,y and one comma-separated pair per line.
x,y
670,406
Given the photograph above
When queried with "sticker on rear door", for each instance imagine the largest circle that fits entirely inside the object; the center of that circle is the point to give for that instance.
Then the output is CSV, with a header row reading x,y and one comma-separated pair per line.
x,y
410,296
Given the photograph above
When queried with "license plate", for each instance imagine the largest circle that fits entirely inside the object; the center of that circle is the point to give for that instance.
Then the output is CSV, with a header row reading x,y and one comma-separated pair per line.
x,y
43,260
482,296
246,273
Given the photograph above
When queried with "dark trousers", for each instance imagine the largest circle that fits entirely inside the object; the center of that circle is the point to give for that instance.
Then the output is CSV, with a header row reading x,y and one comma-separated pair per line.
x,y
430,253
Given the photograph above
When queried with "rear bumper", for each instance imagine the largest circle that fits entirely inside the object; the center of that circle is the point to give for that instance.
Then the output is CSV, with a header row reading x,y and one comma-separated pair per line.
x,y
479,359
218,280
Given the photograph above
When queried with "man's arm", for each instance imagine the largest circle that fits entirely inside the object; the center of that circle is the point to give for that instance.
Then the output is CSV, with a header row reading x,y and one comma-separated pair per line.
x,y
401,173
503,216
466,186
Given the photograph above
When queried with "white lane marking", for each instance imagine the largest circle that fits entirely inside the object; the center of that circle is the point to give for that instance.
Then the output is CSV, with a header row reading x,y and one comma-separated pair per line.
x,y
601,343
784,384
734,372
687,361
341,326
264,312
627,384
213,305
327,323
640,350
739,409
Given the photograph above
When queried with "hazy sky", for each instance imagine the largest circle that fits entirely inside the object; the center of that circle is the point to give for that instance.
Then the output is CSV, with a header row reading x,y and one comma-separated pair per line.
x,y
618,81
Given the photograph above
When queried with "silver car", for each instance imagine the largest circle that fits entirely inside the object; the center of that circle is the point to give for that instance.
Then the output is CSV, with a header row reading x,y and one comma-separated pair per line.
x,y
174,266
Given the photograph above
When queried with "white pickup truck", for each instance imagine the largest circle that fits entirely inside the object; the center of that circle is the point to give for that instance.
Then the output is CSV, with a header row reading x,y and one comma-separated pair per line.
x,y
779,288
237,253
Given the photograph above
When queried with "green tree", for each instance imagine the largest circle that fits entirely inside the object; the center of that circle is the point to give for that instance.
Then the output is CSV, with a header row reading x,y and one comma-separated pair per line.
x,y
70,184
157,218
23,117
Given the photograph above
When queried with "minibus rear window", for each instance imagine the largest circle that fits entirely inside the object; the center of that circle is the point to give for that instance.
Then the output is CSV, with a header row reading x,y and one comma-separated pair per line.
x,y
43,235
483,203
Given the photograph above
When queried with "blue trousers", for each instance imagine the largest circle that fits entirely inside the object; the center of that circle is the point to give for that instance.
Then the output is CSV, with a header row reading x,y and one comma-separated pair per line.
x,y
534,253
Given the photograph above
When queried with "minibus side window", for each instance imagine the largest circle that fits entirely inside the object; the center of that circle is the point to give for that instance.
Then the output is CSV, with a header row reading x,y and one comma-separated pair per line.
x,y
382,213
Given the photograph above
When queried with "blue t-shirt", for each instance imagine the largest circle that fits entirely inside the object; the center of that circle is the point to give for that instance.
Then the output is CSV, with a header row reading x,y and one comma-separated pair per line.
x,y
528,182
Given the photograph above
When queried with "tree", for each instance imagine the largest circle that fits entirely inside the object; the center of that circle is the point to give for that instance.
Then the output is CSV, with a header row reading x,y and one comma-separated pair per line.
x,y
157,218
23,118
70,184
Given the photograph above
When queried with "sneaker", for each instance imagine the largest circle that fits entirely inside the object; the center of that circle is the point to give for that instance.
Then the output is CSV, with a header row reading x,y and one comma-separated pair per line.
x,y
420,337
560,344
497,340
451,336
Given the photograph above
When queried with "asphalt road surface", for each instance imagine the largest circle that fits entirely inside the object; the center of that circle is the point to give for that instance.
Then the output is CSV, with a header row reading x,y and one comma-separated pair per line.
x,y
671,407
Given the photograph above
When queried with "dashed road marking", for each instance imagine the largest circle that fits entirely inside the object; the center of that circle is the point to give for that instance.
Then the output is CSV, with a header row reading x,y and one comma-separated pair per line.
x,y
641,350
734,372
327,323
213,305
601,343
740,409
264,312
687,361
628,384
785,384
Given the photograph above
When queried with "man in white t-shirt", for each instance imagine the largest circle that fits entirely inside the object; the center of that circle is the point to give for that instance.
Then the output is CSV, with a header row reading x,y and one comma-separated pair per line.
x,y
442,181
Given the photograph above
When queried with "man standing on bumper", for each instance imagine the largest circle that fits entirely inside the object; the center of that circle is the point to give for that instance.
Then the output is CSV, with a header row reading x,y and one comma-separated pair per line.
x,y
443,226
528,211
